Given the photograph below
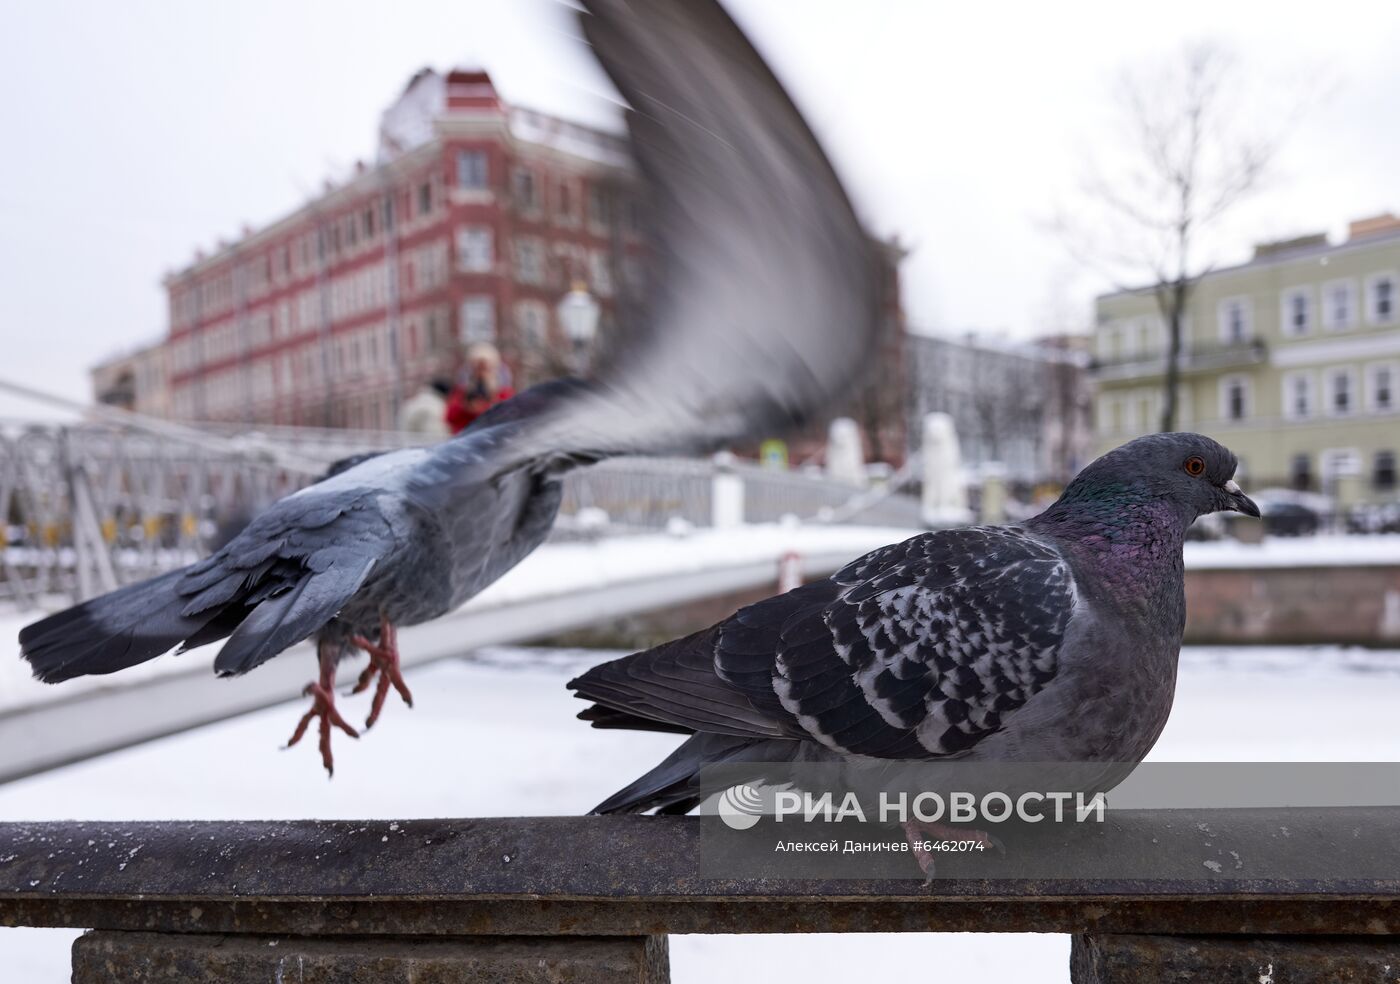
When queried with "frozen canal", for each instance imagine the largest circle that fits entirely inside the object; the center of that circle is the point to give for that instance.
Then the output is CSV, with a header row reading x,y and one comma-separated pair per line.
x,y
496,736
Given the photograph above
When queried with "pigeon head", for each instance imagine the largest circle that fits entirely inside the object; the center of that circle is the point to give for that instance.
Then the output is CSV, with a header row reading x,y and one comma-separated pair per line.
x,y
1188,474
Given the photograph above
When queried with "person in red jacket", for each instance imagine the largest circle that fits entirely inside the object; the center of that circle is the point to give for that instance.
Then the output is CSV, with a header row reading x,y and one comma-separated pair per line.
x,y
480,387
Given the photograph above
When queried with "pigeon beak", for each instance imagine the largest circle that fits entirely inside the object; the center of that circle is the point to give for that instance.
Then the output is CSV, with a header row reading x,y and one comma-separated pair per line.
x,y
1238,501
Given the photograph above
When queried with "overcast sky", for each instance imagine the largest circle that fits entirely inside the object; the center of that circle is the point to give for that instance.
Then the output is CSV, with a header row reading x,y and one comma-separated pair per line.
x,y
135,132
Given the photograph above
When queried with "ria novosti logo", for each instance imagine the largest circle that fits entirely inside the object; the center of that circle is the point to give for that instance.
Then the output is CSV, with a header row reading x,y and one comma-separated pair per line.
x,y
740,807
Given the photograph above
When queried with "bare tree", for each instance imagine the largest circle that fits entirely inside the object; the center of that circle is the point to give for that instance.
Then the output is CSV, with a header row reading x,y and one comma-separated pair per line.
x,y
1189,155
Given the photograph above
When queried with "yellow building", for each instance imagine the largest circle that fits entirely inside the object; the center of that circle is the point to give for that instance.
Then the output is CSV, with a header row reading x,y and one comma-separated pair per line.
x,y
1292,360
137,380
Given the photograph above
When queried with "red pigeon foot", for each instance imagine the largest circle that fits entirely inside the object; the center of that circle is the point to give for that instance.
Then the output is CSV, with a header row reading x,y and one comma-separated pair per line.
x,y
322,694
918,832
384,663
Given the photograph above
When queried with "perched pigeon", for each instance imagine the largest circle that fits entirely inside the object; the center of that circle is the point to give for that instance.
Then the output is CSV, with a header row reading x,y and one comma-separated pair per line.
x,y
1053,641
762,311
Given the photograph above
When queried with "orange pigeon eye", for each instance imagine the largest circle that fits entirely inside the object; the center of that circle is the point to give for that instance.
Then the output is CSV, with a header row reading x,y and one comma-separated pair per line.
x,y
1195,466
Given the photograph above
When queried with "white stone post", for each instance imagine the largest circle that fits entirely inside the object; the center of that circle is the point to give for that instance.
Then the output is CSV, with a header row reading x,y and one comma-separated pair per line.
x,y
945,491
993,512
845,453
726,494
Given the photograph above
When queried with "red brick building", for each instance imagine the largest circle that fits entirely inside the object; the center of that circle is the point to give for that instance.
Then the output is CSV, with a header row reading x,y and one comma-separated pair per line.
x,y
476,221
473,225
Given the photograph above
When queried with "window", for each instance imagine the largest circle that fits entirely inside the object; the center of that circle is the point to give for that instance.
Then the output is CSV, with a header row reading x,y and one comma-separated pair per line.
x,y
598,212
1298,395
1383,472
1151,334
1339,304
1146,412
1127,414
472,170
425,198
1110,415
529,261
1300,471
1235,316
1127,341
431,330
1339,462
478,322
1341,392
1295,311
1234,398
1184,396
1382,386
476,249
1107,336
564,204
600,273
525,189
532,320
1380,298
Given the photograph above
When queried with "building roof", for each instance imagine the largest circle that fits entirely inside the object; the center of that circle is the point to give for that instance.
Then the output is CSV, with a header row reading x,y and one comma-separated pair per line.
x,y
130,353
1362,234
411,129
1050,348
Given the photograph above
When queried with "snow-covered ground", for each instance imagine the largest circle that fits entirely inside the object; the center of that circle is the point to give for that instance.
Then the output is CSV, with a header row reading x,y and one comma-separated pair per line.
x,y
496,736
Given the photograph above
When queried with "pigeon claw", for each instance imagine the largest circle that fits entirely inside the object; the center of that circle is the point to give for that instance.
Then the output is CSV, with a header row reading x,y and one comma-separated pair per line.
x,y
384,664
322,694
915,831
919,832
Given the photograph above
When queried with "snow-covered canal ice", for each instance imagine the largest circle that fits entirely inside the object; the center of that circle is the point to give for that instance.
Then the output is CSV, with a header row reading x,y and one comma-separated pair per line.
x,y
495,735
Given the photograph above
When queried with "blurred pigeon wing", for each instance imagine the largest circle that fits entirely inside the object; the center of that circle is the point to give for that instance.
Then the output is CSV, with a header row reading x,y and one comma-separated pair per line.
x,y
763,302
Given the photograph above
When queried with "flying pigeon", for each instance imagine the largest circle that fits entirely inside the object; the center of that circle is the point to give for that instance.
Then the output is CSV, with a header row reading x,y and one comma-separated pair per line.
x,y
763,308
1054,641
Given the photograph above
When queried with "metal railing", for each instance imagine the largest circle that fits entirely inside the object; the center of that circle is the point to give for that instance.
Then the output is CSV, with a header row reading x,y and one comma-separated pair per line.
x,y
321,444
85,508
592,898
650,492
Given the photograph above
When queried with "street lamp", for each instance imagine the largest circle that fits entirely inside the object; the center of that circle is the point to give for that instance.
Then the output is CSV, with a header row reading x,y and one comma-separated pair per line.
x,y
578,315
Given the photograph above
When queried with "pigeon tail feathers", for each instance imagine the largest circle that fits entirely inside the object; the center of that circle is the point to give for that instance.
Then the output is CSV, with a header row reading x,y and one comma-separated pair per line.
x,y
109,633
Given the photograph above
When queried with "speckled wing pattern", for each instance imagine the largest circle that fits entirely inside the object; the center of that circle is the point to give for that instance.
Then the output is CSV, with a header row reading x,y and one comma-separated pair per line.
x,y
917,650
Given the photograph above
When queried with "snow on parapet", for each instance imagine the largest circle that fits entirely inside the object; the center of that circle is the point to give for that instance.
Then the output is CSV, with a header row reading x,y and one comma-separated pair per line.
x,y
1378,550
431,97
569,138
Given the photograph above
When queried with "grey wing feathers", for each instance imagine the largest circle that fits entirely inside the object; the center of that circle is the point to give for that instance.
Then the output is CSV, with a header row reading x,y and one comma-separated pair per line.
x,y
284,619
917,650
286,575
762,287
